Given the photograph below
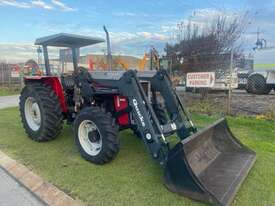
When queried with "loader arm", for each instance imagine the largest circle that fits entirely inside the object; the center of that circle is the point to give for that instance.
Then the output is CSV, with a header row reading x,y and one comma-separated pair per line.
x,y
144,116
153,134
160,82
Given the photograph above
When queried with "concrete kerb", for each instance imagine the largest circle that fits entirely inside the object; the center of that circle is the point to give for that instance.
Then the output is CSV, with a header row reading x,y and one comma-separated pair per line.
x,y
43,190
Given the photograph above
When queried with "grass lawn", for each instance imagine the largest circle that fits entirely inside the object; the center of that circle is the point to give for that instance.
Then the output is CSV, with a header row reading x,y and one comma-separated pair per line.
x,y
7,92
133,178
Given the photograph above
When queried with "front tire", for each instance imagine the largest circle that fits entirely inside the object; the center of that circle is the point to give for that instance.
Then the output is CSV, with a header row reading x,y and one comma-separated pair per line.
x,y
41,112
96,135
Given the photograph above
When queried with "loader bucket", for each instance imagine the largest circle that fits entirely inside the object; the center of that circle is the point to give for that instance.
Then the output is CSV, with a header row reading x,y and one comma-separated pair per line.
x,y
209,166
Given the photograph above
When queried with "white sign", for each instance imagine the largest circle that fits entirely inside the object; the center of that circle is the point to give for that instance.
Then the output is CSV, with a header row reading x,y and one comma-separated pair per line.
x,y
15,74
200,79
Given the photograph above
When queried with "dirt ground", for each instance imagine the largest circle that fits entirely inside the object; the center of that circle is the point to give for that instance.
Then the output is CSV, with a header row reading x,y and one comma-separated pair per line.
x,y
242,103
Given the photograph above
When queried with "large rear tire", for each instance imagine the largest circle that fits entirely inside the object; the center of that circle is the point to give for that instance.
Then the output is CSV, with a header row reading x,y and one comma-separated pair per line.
x,y
41,112
257,85
96,135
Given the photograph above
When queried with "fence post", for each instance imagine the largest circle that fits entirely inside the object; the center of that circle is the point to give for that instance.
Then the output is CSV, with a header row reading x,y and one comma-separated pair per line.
x,y
9,75
230,83
21,79
2,75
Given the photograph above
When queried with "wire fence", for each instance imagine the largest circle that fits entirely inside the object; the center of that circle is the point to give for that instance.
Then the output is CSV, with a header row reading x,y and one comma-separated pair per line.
x,y
11,79
236,90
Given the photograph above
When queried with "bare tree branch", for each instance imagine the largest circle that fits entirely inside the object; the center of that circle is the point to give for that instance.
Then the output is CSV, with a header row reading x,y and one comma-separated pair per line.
x,y
208,48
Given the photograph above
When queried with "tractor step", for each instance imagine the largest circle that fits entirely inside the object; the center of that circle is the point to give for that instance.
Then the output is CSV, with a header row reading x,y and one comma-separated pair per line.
x,y
209,166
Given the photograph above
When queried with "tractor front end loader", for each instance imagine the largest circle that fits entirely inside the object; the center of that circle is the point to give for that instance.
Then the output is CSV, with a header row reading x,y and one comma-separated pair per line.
x,y
207,165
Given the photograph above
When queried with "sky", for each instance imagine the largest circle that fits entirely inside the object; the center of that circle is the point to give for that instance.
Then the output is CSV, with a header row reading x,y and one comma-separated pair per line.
x,y
134,25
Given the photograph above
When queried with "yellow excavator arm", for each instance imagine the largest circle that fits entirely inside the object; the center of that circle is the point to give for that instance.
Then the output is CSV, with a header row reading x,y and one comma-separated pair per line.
x,y
142,63
122,63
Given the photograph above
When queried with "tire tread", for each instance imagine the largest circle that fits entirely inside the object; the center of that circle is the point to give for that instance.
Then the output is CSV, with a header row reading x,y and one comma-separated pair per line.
x,y
50,110
103,120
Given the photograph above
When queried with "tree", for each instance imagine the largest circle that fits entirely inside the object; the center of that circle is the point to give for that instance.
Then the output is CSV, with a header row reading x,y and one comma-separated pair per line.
x,y
208,47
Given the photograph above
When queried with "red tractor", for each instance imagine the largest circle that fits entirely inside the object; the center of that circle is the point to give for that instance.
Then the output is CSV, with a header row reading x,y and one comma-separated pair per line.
x,y
208,165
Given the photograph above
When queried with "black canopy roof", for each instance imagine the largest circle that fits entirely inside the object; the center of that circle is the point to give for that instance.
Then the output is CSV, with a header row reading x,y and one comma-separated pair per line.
x,y
68,40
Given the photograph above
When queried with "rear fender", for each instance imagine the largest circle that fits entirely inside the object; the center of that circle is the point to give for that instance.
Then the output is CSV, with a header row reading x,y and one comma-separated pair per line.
x,y
54,82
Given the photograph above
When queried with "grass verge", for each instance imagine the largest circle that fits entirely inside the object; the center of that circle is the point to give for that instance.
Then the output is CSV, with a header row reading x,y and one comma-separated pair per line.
x,y
133,178
4,91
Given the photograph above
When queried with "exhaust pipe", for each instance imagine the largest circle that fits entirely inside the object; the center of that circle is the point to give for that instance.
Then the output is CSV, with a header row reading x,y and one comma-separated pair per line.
x,y
109,52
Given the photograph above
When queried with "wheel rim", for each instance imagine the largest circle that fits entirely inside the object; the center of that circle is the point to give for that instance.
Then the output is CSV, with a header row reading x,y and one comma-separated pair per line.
x,y
32,113
89,137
